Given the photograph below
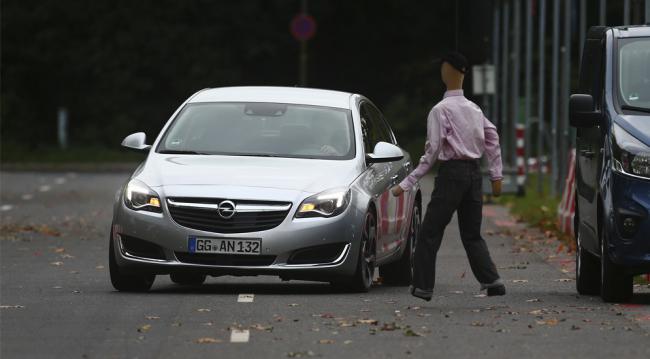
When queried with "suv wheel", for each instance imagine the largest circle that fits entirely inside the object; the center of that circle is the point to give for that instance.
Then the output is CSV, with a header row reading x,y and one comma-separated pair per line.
x,y
616,286
587,270
126,282
400,273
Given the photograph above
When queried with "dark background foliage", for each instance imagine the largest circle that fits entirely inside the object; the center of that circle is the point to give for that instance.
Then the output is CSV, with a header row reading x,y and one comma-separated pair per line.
x,y
124,66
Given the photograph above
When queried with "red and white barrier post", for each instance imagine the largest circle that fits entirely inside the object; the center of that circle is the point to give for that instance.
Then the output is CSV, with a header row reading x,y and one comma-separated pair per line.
x,y
521,165
567,208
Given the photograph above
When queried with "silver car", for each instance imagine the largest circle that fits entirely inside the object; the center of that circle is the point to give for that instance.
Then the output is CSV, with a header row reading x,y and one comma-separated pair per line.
x,y
291,182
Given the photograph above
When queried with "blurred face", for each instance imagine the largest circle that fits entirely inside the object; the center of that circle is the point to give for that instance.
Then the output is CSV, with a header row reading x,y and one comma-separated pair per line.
x,y
450,76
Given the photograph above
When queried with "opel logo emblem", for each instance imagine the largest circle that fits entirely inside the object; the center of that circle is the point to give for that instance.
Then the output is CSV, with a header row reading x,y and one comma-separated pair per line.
x,y
226,209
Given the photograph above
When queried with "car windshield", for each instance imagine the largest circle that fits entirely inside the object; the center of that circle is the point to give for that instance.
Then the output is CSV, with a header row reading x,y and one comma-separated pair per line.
x,y
261,129
634,72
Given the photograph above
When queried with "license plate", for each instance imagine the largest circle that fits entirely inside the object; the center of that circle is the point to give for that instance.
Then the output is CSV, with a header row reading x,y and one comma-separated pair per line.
x,y
224,245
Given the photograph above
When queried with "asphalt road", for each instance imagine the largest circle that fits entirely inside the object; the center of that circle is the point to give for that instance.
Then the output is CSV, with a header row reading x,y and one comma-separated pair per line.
x,y
56,300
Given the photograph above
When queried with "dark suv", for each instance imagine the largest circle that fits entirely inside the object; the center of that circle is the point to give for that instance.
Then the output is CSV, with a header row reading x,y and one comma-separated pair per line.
x,y
612,117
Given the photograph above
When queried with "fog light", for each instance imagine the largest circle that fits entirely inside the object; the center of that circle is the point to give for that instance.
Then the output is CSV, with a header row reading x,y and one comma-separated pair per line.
x,y
629,225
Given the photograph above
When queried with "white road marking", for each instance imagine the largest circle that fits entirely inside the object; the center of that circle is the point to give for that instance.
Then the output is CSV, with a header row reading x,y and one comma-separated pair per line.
x,y
245,298
44,188
239,336
6,207
27,196
60,180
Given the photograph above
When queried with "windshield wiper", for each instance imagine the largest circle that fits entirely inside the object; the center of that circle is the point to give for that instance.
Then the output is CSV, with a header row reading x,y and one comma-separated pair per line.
x,y
634,108
181,152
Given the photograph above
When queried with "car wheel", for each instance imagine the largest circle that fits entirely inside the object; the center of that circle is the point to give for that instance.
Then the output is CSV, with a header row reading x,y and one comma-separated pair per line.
x,y
616,286
187,278
400,273
127,282
361,281
587,270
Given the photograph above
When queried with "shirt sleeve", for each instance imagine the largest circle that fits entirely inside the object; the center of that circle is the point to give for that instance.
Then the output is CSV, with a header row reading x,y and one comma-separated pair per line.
x,y
431,149
492,150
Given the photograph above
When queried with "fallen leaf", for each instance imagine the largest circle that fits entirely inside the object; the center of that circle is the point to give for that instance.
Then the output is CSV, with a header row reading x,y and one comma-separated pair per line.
x,y
478,324
12,306
208,340
326,341
347,342
145,328
268,328
152,317
327,315
56,263
564,280
203,310
59,250
520,281
294,304
411,333
534,300
368,321
388,327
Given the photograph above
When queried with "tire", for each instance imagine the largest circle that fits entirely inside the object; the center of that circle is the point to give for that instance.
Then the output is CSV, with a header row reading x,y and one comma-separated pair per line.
x,y
127,282
587,270
616,285
400,273
361,280
187,278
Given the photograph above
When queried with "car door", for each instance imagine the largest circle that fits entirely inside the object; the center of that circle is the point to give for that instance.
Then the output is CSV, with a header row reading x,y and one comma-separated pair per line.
x,y
390,209
589,142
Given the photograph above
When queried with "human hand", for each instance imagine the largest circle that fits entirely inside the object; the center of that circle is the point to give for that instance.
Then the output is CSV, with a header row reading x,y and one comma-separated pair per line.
x,y
496,188
397,191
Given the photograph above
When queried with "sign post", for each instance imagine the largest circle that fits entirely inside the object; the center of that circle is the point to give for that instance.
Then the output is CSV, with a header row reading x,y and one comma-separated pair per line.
x,y
303,28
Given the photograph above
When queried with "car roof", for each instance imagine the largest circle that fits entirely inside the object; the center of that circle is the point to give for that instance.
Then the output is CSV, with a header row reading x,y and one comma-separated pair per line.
x,y
631,31
292,95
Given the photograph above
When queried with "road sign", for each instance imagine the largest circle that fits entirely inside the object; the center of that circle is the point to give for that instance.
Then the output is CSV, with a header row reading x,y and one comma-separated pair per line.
x,y
483,79
303,27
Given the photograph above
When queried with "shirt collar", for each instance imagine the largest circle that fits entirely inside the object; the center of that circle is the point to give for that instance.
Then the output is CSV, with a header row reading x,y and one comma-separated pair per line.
x,y
453,93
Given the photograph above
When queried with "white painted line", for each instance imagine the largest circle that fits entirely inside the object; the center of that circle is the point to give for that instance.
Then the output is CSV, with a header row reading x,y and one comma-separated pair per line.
x,y
6,207
27,196
60,180
245,298
239,336
44,188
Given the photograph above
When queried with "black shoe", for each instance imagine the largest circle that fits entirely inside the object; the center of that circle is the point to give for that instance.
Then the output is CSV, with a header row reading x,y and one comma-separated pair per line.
x,y
498,290
418,293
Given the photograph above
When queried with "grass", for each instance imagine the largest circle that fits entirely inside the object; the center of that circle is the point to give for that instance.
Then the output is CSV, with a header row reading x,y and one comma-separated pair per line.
x,y
538,209
54,155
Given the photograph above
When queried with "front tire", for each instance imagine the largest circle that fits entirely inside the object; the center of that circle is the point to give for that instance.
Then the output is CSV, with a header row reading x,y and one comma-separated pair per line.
x,y
361,280
126,282
616,286
587,270
400,273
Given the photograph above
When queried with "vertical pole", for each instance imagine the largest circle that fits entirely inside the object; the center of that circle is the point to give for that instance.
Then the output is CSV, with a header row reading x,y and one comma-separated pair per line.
x,y
62,127
540,95
303,51
495,60
529,74
583,24
626,12
647,12
554,96
505,9
515,76
566,86
602,13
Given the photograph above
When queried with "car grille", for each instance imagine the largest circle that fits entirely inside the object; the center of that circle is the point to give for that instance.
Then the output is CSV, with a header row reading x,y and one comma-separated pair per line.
x,y
224,259
250,216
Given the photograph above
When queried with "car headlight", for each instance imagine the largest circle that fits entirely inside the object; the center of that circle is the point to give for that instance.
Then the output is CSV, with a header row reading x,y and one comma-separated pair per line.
x,y
325,204
138,196
630,156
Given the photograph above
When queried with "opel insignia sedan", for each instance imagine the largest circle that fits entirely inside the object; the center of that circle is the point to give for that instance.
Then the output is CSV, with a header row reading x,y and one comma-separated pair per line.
x,y
290,182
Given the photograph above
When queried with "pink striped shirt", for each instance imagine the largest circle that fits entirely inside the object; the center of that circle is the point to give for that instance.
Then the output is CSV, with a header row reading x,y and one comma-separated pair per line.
x,y
457,129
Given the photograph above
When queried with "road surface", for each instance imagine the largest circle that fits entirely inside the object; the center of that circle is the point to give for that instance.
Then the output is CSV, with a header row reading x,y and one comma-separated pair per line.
x,y
57,302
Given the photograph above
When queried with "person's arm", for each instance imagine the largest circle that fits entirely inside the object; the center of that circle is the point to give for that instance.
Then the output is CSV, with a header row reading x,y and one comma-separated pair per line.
x,y
493,153
431,151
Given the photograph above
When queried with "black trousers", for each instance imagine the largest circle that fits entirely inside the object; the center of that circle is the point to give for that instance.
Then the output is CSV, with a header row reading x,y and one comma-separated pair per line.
x,y
457,188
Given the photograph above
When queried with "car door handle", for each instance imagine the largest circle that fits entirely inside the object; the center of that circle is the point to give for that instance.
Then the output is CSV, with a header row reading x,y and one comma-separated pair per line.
x,y
587,153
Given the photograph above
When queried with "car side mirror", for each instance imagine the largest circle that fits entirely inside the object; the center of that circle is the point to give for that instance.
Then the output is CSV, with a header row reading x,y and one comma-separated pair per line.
x,y
384,152
581,111
136,141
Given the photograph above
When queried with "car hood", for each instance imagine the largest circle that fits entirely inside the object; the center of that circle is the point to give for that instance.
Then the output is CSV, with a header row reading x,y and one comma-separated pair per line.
x,y
305,175
637,126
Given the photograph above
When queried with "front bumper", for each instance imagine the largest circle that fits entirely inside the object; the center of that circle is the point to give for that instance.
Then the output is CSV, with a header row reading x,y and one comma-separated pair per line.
x,y
279,244
630,247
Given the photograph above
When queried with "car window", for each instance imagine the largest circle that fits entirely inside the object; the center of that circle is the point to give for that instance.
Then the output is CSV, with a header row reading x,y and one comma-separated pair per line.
x,y
261,129
373,127
634,72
